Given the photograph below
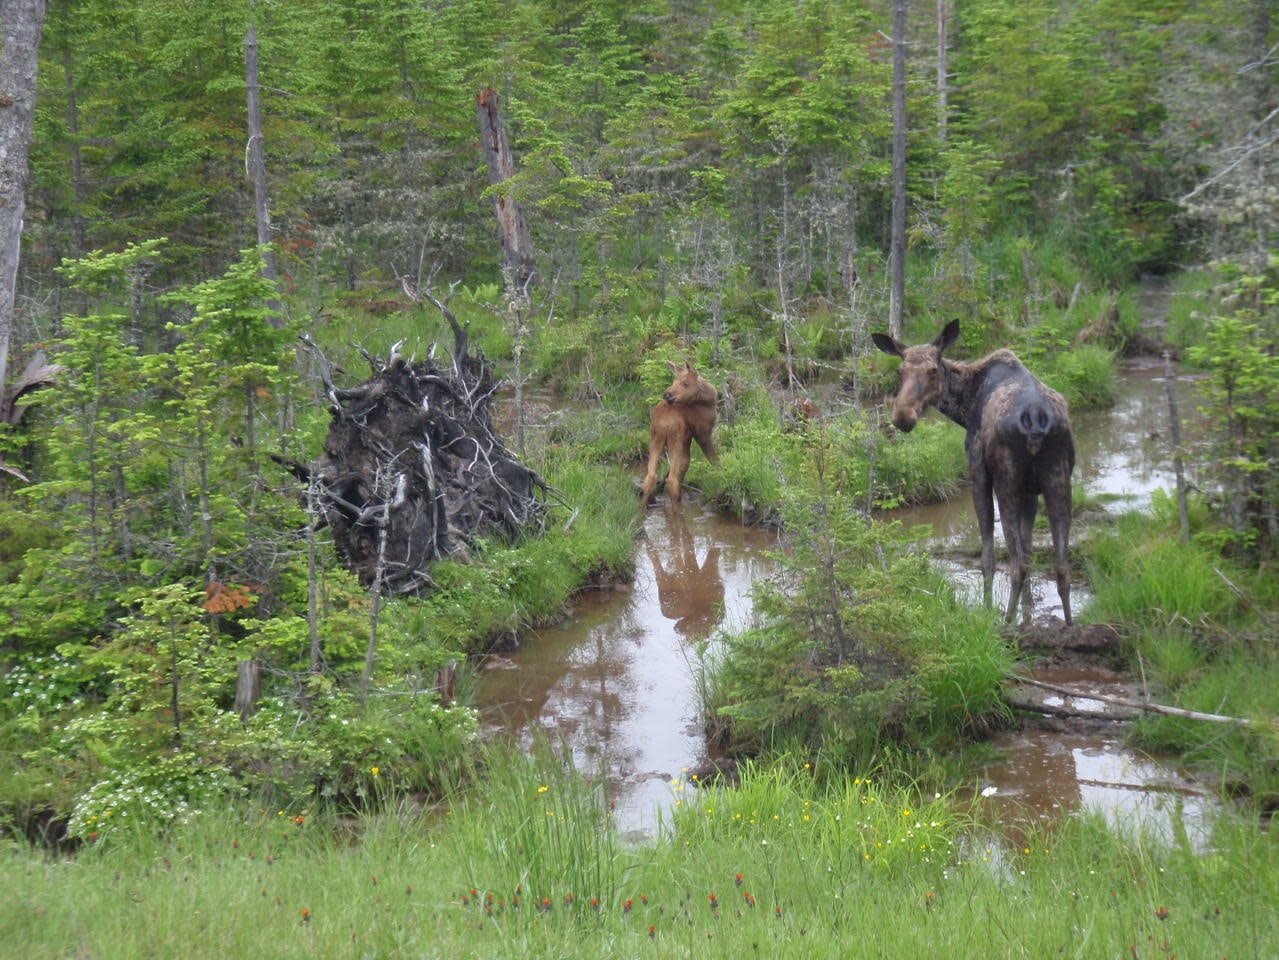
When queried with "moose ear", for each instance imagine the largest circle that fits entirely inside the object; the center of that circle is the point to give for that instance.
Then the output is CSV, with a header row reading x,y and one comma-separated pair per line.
x,y
887,344
949,334
674,367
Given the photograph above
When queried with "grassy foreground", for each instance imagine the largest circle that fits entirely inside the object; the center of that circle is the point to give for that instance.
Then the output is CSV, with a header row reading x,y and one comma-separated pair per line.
x,y
783,866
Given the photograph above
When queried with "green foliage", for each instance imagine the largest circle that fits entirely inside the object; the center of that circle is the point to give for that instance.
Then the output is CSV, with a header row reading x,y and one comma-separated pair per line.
x,y
1217,673
1147,577
755,459
536,869
548,827
171,790
1241,399
1085,376
1190,292
925,467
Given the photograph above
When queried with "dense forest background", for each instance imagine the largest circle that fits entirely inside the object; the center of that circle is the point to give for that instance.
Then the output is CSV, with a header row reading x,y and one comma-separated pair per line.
x,y
668,154
705,180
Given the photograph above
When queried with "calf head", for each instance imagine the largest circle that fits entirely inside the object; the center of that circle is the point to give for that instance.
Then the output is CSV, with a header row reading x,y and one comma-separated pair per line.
x,y
923,375
688,388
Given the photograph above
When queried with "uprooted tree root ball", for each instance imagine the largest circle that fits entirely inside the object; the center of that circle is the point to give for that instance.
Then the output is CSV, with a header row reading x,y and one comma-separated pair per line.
x,y
413,471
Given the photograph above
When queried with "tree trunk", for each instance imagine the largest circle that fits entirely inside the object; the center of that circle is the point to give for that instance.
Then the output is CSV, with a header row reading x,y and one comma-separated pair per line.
x,y
256,162
1174,427
23,23
897,257
943,68
248,687
517,247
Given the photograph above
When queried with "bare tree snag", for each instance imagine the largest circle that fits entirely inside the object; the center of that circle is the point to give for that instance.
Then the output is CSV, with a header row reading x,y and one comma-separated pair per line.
x,y
517,247
897,292
248,687
255,164
23,24
412,471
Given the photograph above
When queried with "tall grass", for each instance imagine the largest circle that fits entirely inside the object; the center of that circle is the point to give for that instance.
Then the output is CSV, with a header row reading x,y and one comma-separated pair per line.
x,y
1198,641
791,863
589,537
1140,575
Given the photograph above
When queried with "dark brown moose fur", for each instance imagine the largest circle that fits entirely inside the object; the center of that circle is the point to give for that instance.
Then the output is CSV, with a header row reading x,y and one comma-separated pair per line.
x,y
685,413
1019,446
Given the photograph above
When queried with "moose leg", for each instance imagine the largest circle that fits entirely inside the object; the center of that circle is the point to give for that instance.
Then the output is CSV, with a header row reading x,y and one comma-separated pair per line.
x,y
1029,507
984,507
707,444
1058,509
1010,522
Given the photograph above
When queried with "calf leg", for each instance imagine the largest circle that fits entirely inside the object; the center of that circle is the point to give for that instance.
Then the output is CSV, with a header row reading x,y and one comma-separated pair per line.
x,y
680,455
707,443
655,447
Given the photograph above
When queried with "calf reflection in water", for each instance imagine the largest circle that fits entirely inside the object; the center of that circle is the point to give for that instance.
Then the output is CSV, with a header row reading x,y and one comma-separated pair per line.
x,y
1020,446
688,592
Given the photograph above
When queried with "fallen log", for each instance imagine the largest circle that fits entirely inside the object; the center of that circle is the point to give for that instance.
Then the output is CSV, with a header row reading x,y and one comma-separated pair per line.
x,y
1144,706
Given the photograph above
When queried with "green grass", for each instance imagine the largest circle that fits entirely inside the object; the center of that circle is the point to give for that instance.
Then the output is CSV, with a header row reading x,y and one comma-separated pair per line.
x,y
792,863
1145,575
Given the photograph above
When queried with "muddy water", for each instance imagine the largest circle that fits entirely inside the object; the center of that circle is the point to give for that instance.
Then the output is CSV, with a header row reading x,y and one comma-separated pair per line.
x,y
617,681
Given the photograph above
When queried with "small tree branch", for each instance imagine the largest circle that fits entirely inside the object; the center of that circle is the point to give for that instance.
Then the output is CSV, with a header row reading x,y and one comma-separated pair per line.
x,y
1142,705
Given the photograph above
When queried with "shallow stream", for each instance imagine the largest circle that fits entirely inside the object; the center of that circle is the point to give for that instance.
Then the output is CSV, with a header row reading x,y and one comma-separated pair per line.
x,y
617,680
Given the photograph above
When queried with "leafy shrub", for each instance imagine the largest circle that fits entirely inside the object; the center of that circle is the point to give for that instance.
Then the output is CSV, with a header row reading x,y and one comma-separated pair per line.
x,y
927,465
1086,377
169,790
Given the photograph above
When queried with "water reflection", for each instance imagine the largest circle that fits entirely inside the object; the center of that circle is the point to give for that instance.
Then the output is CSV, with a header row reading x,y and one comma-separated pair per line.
x,y
1125,452
617,680
1045,774
689,592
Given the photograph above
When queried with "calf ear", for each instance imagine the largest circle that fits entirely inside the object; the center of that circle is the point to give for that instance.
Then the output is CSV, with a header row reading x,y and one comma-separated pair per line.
x,y
949,334
674,367
887,344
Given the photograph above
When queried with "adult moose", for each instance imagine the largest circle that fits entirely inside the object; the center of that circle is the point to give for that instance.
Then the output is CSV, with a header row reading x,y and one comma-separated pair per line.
x,y
685,413
1019,446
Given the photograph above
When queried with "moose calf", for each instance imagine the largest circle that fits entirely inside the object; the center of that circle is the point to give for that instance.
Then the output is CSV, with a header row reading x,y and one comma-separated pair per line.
x,y
686,412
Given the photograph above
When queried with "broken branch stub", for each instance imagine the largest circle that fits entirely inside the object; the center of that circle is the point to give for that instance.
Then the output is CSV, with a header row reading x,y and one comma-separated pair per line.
x,y
412,457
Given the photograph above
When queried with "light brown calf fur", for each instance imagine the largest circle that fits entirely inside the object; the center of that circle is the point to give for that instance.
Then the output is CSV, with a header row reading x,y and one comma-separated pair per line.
x,y
687,412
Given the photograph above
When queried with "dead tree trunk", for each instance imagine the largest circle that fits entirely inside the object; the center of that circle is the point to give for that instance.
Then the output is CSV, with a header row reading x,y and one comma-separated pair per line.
x,y
897,293
248,687
19,58
517,246
255,162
